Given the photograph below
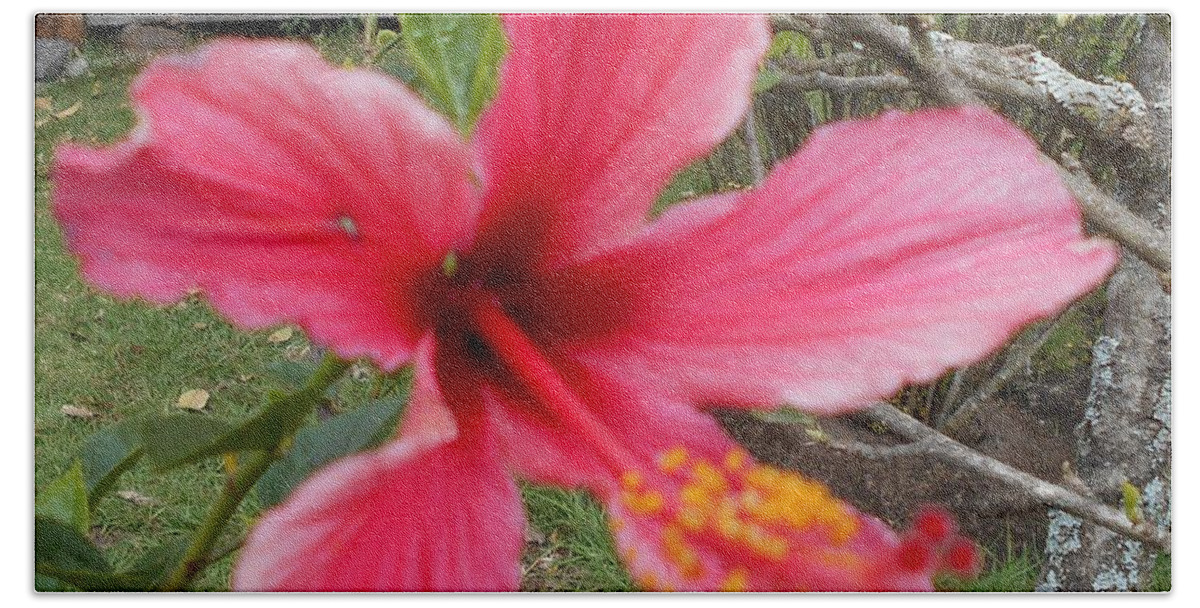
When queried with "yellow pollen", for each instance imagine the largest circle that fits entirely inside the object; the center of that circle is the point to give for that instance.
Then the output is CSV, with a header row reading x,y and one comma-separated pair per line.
x,y
648,582
691,518
646,503
709,476
694,495
735,459
673,459
736,581
631,480
616,525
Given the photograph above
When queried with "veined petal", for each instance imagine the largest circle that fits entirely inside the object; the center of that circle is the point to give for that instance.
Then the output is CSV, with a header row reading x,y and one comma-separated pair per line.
x,y
409,517
285,188
885,252
595,113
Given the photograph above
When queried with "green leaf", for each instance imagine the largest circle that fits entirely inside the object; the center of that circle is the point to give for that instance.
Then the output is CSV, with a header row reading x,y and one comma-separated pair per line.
x,y
317,445
179,439
65,500
150,569
61,553
793,43
767,79
290,375
106,455
457,60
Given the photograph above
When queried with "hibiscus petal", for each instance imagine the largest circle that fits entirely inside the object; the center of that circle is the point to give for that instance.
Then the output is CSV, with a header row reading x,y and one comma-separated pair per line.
x,y
408,517
885,252
287,189
595,113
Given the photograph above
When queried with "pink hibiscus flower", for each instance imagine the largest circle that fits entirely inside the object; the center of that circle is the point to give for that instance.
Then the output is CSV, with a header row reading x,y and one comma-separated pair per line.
x,y
556,333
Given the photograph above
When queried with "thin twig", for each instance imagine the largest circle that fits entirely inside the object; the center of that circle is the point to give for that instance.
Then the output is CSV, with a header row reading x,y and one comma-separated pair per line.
x,y
848,84
750,136
935,444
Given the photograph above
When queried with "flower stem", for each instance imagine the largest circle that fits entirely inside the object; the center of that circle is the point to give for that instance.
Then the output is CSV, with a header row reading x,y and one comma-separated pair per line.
x,y
198,554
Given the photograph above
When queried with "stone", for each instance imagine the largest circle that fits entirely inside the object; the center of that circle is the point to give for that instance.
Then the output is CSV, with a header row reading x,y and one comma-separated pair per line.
x,y
144,41
50,58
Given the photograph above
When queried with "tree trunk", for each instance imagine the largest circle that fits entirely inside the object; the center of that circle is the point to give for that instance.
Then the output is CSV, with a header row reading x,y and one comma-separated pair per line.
x,y
1125,436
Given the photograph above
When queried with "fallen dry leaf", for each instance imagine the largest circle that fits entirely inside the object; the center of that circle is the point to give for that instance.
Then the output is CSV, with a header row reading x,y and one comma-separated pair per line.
x,y
283,334
75,411
135,497
296,352
194,399
42,103
69,111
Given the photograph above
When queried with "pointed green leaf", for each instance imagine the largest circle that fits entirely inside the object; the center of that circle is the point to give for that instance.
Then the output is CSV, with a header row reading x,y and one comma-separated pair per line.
x,y
317,445
179,439
106,455
290,375
62,555
150,569
65,500
792,43
457,60
767,79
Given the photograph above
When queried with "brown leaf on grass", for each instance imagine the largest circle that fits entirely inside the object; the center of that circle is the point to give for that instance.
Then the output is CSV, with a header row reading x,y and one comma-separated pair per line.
x,y
199,325
135,497
281,335
42,103
69,111
194,399
297,352
74,411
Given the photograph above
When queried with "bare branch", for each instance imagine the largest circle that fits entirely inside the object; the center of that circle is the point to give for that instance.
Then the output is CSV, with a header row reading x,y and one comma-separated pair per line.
x,y
849,84
935,444
750,135
880,452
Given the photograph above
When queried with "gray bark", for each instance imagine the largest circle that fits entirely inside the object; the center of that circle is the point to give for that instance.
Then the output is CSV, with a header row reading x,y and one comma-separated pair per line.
x,y
1126,432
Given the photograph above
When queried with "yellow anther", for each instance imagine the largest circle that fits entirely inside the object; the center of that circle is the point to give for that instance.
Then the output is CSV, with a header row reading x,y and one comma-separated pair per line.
x,y
646,503
631,480
737,580
616,525
709,476
750,499
736,459
671,460
729,527
695,495
763,477
648,582
630,555
691,518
